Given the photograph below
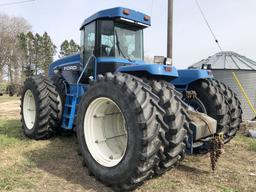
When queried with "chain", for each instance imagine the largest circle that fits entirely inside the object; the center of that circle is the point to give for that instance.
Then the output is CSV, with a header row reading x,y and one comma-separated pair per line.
x,y
216,144
216,147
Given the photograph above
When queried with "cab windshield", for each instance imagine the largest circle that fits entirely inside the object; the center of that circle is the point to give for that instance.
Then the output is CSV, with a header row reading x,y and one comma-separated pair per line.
x,y
121,41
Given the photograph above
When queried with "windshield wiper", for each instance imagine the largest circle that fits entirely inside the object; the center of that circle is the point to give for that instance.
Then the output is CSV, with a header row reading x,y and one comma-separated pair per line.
x,y
120,51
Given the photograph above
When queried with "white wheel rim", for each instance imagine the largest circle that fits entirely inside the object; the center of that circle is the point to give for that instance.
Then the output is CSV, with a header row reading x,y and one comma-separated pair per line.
x,y
59,106
29,109
105,132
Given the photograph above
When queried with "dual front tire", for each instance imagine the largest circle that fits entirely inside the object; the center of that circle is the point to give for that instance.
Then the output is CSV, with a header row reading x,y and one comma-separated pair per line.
x,y
127,133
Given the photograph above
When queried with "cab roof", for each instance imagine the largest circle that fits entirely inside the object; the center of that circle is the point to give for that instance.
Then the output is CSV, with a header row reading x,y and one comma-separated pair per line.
x,y
120,13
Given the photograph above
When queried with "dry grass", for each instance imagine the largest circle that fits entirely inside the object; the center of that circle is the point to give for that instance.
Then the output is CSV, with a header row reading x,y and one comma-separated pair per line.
x,y
53,165
9,107
6,98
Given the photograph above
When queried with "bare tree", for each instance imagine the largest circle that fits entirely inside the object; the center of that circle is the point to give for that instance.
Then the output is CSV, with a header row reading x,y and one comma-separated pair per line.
x,y
11,58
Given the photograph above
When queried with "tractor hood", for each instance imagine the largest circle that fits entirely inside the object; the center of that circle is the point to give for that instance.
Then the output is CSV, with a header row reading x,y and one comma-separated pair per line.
x,y
64,62
155,71
137,67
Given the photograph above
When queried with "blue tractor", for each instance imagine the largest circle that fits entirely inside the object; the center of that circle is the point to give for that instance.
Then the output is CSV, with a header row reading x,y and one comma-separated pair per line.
x,y
131,123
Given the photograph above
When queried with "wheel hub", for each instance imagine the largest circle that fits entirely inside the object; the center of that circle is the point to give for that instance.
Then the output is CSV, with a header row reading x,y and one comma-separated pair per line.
x,y
105,132
29,109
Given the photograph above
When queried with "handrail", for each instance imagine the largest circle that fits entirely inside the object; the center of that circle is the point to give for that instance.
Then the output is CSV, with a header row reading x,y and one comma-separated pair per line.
x,y
87,63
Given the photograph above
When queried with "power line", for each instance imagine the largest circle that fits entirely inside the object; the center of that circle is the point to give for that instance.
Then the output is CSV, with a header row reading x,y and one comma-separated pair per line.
x,y
208,24
15,3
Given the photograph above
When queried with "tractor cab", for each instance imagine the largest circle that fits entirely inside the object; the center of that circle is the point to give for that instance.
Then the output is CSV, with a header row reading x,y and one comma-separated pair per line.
x,y
115,38
111,41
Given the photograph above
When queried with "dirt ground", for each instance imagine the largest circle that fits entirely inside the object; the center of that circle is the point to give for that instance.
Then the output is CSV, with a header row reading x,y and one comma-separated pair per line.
x,y
54,165
10,109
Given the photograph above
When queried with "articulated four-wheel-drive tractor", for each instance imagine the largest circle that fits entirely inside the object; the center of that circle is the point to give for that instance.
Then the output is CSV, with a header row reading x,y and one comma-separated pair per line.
x,y
130,121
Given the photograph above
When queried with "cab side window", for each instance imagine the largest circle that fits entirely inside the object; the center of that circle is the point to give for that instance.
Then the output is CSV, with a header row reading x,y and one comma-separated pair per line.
x,y
107,40
88,50
89,41
82,46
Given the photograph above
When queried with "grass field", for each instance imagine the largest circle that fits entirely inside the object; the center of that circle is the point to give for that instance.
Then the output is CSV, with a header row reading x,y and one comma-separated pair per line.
x,y
54,165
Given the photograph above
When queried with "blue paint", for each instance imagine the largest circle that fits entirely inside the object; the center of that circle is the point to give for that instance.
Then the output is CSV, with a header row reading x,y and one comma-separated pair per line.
x,y
69,60
75,91
140,66
153,69
188,76
117,12
119,60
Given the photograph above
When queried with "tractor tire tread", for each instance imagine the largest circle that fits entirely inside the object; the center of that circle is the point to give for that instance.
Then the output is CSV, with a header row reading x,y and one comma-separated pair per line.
x,y
44,127
217,105
234,107
174,129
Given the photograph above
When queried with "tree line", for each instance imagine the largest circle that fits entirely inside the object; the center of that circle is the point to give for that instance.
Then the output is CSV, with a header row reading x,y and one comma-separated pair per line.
x,y
20,48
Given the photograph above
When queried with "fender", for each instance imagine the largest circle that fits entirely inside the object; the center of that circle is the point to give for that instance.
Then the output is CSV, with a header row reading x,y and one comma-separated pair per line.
x,y
151,71
188,76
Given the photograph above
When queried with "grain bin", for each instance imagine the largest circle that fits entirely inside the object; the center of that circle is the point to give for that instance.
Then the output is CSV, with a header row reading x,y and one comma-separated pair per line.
x,y
223,64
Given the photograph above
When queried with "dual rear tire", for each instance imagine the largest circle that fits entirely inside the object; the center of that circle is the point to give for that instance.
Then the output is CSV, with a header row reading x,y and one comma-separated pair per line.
x,y
220,103
235,110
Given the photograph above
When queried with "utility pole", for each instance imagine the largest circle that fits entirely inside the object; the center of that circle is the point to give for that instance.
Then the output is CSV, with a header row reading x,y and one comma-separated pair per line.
x,y
170,29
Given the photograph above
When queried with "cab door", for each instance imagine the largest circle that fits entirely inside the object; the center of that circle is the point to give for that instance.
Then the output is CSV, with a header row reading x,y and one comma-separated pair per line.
x,y
88,44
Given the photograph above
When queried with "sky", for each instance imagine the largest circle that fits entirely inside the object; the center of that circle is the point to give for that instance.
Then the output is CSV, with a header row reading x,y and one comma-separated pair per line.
x,y
233,21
